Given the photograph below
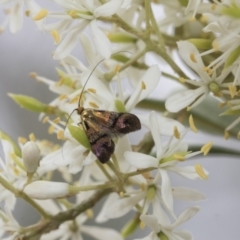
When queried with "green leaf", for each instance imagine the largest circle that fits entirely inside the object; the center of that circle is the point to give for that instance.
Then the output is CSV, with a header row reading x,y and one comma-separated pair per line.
x,y
80,135
16,149
233,56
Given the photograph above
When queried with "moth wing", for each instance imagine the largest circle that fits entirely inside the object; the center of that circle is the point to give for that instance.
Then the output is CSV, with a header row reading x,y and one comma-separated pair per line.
x,y
117,123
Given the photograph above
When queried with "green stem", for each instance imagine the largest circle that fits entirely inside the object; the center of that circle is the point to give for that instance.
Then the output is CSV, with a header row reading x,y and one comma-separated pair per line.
x,y
104,170
131,174
24,196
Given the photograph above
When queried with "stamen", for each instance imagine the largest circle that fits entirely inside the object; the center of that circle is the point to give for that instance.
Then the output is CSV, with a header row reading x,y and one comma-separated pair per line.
x,y
62,96
92,90
143,186
226,135
57,120
192,125
32,137
60,135
93,105
143,85
177,134
22,140
206,148
232,90
199,170
74,100
142,225
179,157
89,213
182,80
116,69
51,129
45,120
41,14
121,194
192,57
56,36
27,13
33,74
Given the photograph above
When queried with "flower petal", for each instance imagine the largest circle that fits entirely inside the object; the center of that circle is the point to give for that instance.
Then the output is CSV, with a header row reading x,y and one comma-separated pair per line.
x,y
140,160
151,221
188,194
149,80
101,233
70,41
183,99
108,8
166,190
101,42
124,205
185,216
191,57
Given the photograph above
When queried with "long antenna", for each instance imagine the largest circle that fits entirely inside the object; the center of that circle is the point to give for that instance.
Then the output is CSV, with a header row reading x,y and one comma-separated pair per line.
x,y
92,73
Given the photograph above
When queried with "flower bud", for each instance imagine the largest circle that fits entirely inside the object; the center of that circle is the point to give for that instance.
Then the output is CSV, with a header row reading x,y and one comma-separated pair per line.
x,y
47,190
31,156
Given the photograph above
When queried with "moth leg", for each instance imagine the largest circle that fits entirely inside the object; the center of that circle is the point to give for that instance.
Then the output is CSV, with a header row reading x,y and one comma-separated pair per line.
x,y
79,124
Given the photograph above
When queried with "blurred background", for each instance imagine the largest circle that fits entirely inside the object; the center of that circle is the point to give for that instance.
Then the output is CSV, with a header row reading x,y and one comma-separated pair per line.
x,y
30,51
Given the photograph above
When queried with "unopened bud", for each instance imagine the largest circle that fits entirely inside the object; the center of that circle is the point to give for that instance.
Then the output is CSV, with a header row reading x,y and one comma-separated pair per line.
x,y
31,156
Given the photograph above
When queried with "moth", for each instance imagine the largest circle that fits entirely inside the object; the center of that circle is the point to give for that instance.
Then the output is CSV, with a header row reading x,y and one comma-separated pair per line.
x,y
101,126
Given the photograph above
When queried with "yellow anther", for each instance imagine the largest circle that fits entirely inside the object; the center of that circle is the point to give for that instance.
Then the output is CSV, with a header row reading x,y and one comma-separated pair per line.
x,y
226,135
215,45
16,171
62,97
192,125
143,186
57,120
232,90
32,137
213,6
56,36
45,120
206,148
143,85
177,134
60,82
89,213
179,157
92,90
73,14
93,105
116,69
60,135
13,156
199,170
142,225
192,19
182,80
33,74
189,108
27,13
22,140
40,15
51,129
121,194
74,100
192,57
222,104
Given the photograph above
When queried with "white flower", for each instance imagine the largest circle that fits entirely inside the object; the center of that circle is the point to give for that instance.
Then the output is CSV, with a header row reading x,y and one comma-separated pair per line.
x,y
74,230
208,83
167,230
80,15
166,158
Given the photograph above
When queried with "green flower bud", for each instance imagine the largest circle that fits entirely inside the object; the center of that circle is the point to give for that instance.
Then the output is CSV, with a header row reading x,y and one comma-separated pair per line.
x,y
80,135
121,38
202,44
120,106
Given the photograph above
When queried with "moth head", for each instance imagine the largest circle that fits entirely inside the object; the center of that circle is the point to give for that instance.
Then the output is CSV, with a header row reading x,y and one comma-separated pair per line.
x,y
80,110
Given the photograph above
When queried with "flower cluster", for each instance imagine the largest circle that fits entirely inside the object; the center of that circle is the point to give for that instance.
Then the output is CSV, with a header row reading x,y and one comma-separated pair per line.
x,y
91,114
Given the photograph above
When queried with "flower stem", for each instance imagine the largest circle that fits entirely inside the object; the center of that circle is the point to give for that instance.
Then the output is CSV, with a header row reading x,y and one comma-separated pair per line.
x,y
24,196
